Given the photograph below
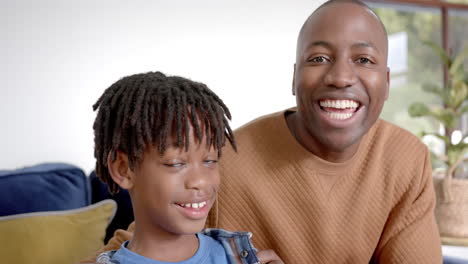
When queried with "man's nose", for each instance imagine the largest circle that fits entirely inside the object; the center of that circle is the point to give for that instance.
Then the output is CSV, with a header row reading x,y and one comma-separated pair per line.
x,y
341,74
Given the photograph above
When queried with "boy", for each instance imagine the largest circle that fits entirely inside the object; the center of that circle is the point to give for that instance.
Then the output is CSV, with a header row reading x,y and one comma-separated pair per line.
x,y
160,137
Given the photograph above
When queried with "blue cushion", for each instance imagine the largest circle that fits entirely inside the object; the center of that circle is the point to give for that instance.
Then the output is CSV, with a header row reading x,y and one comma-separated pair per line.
x,y
44,187
453,260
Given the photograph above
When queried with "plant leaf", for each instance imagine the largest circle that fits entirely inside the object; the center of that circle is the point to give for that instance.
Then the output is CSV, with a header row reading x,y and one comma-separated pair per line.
x,y
440,51
433,88
453,155
457,64
458,93
455,152
446,116
418,109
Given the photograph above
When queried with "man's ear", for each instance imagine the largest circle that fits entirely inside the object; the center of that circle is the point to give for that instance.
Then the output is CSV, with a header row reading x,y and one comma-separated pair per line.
x,y
120,170
388,84
294,80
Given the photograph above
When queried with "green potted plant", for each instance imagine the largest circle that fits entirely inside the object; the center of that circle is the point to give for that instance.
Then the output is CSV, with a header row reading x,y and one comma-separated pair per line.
x,y
451,192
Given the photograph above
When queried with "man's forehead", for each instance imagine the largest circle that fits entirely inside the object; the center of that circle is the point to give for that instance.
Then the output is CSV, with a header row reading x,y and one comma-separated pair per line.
x,y
340,10
357,2
342,13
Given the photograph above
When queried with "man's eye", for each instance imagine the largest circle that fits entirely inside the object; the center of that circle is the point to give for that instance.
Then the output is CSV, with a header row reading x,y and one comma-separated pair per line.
x,y
319,59
364,60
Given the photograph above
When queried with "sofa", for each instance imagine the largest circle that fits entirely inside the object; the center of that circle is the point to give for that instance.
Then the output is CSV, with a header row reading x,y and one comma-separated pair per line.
x,y
55,213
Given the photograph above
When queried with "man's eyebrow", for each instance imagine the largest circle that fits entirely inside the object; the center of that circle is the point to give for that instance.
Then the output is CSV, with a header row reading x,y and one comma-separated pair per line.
x,y
319,43
365,45
328,45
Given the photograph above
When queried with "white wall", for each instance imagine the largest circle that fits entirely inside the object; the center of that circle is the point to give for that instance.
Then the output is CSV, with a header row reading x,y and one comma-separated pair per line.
x,y
58,56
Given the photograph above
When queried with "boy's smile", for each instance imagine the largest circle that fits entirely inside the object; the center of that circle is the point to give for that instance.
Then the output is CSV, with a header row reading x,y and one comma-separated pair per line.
x,y
195,210
172,193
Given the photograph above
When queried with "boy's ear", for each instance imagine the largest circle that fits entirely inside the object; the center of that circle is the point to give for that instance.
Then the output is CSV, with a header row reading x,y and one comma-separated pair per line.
x,y
120,170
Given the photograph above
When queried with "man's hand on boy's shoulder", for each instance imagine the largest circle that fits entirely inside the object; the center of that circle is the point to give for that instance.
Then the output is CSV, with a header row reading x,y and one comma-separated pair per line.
x,y
269,256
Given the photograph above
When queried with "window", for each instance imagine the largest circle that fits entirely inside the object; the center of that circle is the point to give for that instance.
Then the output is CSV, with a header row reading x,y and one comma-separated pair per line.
x,y
412,64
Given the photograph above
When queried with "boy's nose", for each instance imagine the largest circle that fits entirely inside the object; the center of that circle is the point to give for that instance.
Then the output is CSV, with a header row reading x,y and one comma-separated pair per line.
x,y
198,179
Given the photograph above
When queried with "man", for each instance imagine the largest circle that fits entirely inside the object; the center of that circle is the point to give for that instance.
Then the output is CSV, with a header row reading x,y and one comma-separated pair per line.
x,y
328,182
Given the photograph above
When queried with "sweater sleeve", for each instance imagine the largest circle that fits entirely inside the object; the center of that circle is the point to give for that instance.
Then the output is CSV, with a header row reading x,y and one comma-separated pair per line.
x,y
114,243
411,234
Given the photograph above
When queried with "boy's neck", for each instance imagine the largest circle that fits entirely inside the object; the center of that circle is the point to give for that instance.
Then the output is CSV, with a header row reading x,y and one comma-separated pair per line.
x,y
163,247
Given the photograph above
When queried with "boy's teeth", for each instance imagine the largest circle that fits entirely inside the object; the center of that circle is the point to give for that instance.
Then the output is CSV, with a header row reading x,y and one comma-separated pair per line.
x,y
194,205
339,104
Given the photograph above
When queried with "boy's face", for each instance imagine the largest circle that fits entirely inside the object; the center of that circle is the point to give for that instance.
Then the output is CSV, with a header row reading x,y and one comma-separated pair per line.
x,y
173,193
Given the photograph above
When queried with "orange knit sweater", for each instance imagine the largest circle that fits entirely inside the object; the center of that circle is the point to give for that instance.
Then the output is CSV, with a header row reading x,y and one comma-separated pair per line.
x,y
376,207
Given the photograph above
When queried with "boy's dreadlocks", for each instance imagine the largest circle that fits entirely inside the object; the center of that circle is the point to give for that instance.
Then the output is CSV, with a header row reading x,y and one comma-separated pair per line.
x,y
149,108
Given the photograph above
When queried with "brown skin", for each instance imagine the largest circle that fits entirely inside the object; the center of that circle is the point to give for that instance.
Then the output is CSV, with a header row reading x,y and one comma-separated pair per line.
x,y
341,54
157,186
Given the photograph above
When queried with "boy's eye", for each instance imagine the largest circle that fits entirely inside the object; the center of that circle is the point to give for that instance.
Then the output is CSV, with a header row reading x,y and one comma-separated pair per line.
x,y
211,161
174,165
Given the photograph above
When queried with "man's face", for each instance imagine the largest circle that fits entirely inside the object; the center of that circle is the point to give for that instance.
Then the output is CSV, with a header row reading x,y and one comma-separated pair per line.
x,y
173,193
341,77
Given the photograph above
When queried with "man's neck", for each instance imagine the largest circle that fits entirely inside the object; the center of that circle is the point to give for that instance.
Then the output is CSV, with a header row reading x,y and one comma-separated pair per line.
x,y
299,132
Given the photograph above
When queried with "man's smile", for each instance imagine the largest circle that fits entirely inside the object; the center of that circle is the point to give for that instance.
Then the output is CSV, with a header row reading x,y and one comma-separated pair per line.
x,y
339,109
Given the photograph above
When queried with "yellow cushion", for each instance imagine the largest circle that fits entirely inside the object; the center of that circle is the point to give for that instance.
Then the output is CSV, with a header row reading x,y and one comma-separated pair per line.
x,y
61,237
454,241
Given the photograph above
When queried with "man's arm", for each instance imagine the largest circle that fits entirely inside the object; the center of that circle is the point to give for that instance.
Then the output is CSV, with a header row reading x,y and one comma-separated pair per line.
x,y
115,242
411,234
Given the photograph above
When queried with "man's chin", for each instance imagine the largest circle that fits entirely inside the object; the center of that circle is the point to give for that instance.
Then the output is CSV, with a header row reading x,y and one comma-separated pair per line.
x,y
344,147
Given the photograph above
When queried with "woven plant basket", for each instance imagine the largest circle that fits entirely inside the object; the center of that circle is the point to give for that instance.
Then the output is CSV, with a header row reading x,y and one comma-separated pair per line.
x,y
452,210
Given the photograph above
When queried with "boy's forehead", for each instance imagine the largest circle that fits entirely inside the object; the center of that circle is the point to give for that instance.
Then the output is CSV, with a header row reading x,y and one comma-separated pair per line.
x,y
193,140
173,148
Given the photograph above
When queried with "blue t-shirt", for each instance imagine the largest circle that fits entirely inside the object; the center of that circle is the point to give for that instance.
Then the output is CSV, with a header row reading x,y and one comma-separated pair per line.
x,y
209,251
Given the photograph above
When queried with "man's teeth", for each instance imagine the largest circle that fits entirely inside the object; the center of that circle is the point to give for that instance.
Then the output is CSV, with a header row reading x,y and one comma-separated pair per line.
x,y
339,104
339,116
194,205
